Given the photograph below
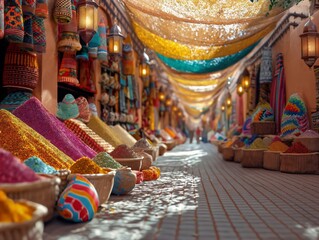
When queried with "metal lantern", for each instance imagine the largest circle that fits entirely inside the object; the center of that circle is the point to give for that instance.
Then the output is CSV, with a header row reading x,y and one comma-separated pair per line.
x,y
168,102
245,80
87,15
240,89
228,100
310,43
161,94
223,108
115,40
144,67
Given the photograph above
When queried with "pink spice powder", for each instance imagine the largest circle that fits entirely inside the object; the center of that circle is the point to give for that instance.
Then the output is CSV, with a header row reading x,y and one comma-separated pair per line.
x,y
36,116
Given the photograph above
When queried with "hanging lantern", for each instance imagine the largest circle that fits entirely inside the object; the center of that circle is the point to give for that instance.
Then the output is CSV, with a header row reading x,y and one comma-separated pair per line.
x,y
223,108
310,43
180,113
168,102
144,67
240,89
245,80
161,94
228,100
87,15
115,40
175,108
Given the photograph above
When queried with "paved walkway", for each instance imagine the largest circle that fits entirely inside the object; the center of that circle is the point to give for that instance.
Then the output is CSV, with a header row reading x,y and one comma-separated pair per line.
x,y
200,196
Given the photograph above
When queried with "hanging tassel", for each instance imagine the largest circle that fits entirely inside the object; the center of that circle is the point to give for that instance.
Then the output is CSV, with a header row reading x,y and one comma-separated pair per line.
x,y
13,21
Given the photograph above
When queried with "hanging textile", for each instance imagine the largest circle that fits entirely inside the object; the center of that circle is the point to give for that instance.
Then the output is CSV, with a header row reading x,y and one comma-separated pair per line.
x,y
128,57
278,91
315,115
205,66
240,110
266,65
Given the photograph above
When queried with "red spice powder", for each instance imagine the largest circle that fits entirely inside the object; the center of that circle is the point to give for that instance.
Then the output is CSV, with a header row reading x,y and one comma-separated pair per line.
x,y
297,147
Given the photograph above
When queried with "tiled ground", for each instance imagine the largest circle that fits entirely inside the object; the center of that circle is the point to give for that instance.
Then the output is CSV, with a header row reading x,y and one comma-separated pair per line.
x,y
200,196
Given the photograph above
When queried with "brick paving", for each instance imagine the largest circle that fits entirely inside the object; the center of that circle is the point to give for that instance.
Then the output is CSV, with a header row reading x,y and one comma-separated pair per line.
x,y
201,196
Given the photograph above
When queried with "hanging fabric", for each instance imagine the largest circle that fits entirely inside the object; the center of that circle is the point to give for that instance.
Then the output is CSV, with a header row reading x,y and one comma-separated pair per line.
x,y
62,11
28,8
1,19
266,65
278,91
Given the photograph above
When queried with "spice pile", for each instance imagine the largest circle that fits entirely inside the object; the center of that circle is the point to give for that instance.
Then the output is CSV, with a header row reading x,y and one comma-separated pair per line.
x,y
123,151
85,166
36,116
278,146
12,212
257,144
38,166
75,124
103,130
13,171
297,147
24,142
104,160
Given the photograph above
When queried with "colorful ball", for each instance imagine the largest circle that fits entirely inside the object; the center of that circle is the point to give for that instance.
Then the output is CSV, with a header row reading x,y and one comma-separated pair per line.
x,y
79,201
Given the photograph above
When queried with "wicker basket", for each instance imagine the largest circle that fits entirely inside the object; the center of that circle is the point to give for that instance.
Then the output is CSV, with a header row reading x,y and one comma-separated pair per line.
x,y
220,147
272,160
63,175
28,230
103,183
162,148
299,162
311,143
44,191
238,154
263,128
170,145
252,158
133,163
228,153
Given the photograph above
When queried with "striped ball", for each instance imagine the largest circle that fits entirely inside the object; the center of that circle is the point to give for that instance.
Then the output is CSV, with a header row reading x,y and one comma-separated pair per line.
x,y
79,201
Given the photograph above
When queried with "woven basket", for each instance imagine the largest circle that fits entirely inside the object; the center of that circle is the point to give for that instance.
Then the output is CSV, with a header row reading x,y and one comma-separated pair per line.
x,y
311,143
252,158
27,230
63,175
238,154
162,149
299,162
272,160
228,153
263,128
103,183
170,145
220,147
44,191
133,163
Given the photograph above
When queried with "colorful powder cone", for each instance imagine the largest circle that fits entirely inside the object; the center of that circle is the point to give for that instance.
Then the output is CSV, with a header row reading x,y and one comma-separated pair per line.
x,y
25,142
36,116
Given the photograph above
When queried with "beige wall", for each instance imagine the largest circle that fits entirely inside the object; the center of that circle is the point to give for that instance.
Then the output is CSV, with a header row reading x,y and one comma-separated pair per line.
x,y
299,78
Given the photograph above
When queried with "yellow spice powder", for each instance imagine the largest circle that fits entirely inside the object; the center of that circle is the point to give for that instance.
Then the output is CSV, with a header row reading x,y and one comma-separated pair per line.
x,y
85,165
12,212
278,146
24,142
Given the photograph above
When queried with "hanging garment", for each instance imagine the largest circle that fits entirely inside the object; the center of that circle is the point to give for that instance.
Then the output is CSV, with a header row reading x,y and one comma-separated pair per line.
x,y
278,91
39,37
